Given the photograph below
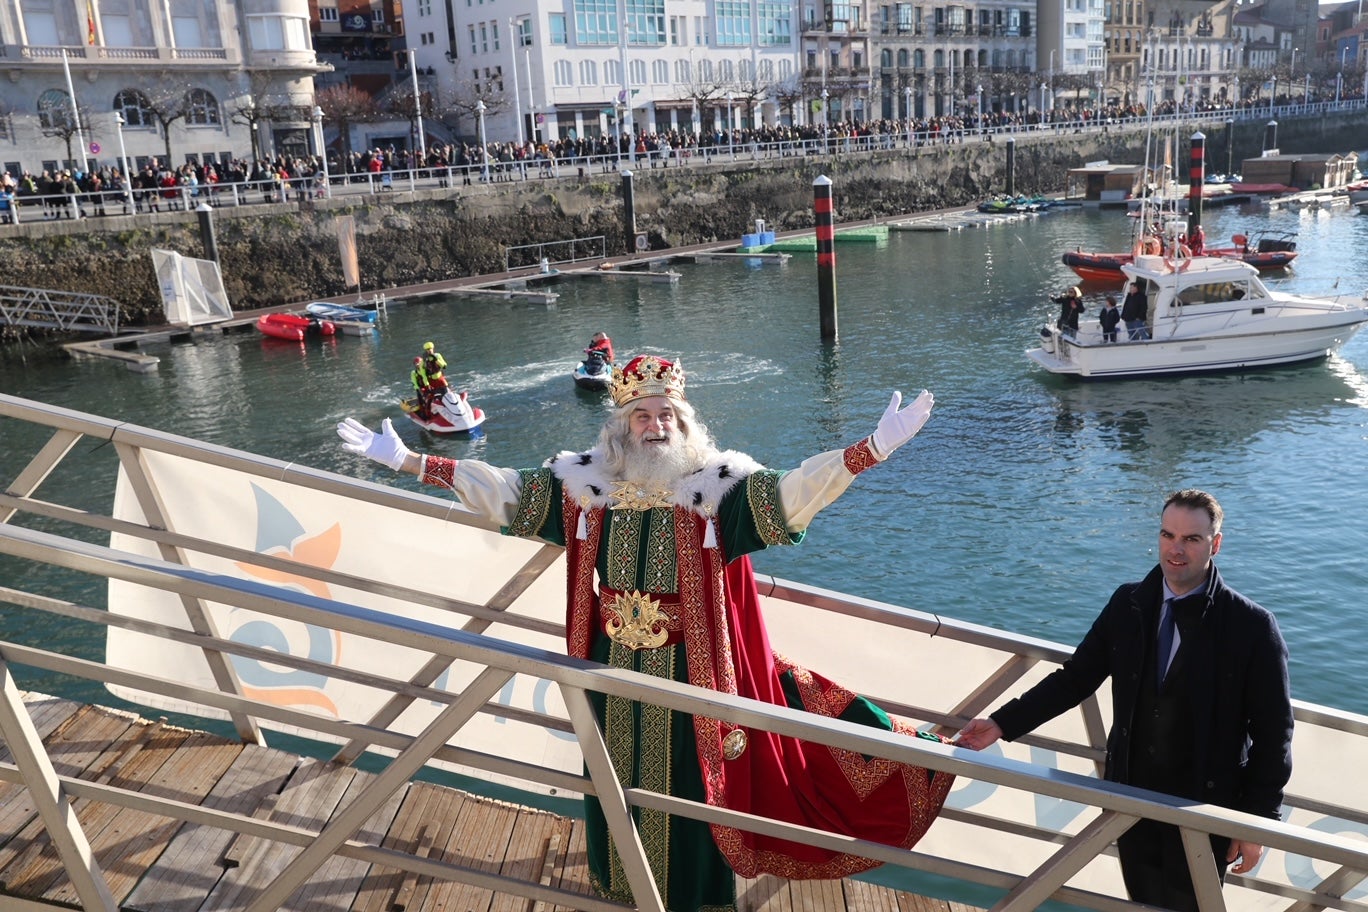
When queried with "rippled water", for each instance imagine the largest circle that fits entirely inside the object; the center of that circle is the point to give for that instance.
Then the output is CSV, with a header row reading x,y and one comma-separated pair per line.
x,y
1023,503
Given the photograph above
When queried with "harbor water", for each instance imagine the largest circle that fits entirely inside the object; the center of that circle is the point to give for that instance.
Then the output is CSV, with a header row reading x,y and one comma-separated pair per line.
x,y
1023,503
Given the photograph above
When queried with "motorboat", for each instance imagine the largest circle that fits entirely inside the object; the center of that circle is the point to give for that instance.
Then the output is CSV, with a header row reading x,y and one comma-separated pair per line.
x,y
1206,314
293,326
340,313
1266,253
451,413
593,373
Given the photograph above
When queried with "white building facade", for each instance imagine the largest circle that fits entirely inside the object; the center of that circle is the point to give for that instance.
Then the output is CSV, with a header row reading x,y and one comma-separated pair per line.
x,y
208,80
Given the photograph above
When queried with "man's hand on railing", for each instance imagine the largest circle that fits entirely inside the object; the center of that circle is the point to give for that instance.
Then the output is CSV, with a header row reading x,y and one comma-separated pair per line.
x,y
978,734
1247,852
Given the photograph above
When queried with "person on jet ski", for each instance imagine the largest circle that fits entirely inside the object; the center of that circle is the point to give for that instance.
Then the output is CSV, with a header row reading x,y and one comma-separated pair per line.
x,y
602,344
433,365
422,388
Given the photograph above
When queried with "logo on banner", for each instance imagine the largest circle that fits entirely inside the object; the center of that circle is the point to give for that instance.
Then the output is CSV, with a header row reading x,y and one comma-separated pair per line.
x,y
280,534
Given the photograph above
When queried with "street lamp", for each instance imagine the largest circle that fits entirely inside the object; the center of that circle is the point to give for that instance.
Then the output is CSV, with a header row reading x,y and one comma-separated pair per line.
x,y
322,149
978,92
825,119
484,148
1339,77
417,106
1042,103
907,112
731,150
123,160
514,30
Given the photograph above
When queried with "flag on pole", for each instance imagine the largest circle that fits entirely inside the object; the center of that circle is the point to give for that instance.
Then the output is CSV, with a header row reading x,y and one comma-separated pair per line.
x,y
90,21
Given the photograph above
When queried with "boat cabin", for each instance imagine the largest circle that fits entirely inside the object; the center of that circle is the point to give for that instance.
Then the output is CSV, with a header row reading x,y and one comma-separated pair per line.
x,y
1171,284
1105,184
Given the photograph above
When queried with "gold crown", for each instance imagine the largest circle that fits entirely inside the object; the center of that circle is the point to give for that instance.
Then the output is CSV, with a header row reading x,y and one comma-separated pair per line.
x,y
647,375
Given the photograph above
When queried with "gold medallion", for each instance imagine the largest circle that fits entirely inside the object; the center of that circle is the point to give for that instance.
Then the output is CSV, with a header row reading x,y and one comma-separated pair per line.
x,y
734,744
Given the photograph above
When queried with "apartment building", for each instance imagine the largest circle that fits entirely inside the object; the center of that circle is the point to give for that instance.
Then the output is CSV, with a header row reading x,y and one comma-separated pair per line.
x,y
176,81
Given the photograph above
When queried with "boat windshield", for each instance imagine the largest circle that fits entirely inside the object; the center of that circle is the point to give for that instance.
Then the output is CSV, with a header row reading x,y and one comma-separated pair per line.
x,y
1220,292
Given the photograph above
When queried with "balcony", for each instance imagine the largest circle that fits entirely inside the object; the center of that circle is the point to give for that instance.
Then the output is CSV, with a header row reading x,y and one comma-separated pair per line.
x,y
95,55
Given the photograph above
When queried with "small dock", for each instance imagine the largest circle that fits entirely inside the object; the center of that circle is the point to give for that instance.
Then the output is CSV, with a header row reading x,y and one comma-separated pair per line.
x,y
154,863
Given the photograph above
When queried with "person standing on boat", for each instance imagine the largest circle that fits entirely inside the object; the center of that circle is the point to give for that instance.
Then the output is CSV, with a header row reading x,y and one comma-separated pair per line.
x,y
658,524
433,365
1109,317
1070,308
1133,310
601,343
1201,707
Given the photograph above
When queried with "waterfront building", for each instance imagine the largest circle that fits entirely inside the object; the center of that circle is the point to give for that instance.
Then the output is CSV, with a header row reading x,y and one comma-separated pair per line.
x,y
1189,52
176,82
1071,44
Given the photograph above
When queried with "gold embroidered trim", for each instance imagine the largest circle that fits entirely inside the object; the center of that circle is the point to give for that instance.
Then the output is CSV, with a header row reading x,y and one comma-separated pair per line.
x,y
762,494
534,502
439,471
624,536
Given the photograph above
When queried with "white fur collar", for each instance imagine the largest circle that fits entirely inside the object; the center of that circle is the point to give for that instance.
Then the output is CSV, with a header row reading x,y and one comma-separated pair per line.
x,y
584,476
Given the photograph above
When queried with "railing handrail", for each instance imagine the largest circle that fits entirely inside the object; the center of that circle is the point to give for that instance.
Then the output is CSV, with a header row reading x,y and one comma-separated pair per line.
x,y
499,659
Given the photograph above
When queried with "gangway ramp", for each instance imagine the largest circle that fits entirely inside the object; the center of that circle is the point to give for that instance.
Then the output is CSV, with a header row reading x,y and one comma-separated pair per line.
x,y
67,311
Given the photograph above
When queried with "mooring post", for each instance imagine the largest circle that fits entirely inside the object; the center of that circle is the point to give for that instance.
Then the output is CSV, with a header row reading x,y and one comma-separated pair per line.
x,y
1196,181
206,226
1011,166
628,210
1271,137
826,256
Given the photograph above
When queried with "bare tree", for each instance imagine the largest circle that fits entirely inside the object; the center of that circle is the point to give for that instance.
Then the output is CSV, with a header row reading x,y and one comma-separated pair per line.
x,y
345,105
788,94
463,101
704,92
62,123
168,102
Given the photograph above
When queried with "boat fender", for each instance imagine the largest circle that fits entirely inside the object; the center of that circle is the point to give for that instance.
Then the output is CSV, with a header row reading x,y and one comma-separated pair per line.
x,y
1184,250
1151,246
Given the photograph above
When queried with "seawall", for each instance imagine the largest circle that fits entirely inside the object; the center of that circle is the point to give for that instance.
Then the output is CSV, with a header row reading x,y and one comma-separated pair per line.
x,y
288,252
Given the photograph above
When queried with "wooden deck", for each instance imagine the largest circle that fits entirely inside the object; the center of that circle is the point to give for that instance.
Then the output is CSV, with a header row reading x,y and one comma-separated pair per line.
x,y
156,864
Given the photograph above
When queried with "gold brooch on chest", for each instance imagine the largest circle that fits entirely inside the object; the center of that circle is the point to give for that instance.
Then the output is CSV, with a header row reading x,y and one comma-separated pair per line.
x,y
636,621
629,496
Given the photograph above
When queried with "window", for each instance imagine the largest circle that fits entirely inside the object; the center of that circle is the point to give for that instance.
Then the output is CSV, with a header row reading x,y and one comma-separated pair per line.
x,y
271,33
484,37
660,72
767,70
588,73
202,108
902,58
556,26
732,22
327,14
563,73
378,16
425,7
919,59
886,59
785,68
727,70
678,26
54,109
596,22
646,22
705,71
775,23
637,69
135,108
494,33
474,46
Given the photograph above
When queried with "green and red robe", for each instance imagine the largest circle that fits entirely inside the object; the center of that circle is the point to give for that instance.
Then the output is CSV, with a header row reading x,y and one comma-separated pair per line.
x,y
685,552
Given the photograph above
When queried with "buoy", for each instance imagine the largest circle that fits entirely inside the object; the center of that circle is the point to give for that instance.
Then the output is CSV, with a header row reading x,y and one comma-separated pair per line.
x,y
1239,239
1184,250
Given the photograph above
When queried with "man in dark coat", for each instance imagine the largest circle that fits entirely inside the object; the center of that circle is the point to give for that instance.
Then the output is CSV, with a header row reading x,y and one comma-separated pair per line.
x,y
1211,720
1133,312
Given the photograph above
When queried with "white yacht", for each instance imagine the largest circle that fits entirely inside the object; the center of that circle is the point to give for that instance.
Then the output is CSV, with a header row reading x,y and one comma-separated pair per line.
x,y
1205,314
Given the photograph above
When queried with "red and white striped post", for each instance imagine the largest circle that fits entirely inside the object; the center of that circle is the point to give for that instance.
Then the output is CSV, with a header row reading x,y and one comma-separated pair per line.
x,y
826,255
1196,180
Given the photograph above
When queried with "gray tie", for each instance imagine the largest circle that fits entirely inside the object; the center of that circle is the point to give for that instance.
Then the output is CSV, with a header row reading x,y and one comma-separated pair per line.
x,y
1166,627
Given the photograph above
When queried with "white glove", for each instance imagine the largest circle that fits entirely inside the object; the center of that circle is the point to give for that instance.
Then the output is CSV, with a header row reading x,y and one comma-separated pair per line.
x,y
897,427
384,447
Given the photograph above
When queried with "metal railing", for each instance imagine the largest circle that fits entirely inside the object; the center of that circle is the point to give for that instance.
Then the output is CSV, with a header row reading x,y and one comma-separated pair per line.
x,y
706,151
1337,863
67,311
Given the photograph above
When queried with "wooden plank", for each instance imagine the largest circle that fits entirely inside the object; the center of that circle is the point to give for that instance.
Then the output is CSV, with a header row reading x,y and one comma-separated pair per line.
x,y
424,820
134,764
191,866
308,800
48,714
572,869
867,897
526,856
334,886
765,893
85,745
816,895
132,840
443,812
478,841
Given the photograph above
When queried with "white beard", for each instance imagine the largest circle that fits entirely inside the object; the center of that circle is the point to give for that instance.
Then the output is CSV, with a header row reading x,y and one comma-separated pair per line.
x,y
659,466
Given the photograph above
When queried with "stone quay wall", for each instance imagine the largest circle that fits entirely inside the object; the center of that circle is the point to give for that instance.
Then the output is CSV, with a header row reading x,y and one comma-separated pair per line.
x,y
287,253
